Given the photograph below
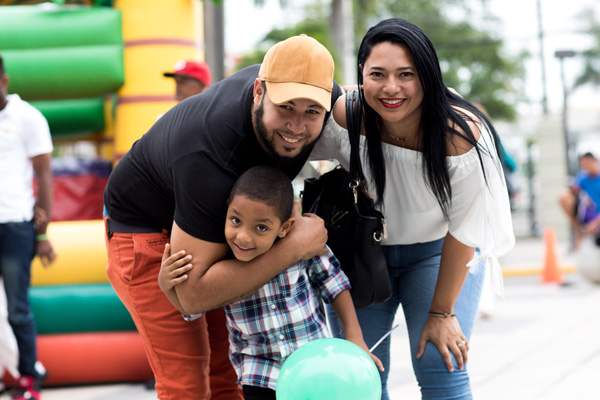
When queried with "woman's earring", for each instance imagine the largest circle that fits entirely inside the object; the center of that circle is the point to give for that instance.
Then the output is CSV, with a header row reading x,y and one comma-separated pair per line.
x,y
362,87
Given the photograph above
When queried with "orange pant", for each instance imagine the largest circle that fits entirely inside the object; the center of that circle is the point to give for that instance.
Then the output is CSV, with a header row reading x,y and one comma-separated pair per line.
x,y
185,364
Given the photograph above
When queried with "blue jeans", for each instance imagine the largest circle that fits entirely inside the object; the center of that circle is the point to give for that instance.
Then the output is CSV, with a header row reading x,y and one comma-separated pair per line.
x,y
413,271
17,249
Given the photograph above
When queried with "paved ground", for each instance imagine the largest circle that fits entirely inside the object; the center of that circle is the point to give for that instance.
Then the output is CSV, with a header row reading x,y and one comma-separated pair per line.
x,y
542,341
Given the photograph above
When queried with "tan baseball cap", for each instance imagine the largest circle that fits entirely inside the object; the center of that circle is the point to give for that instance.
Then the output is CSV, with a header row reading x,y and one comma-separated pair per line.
x,y
298,68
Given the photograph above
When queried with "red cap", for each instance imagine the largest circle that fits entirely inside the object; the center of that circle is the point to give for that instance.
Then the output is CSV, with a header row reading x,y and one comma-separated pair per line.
x,y
194,69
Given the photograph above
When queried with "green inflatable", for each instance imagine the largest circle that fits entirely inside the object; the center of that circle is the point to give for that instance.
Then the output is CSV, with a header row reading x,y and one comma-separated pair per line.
x,y
78,308
64,60
61,52
73,118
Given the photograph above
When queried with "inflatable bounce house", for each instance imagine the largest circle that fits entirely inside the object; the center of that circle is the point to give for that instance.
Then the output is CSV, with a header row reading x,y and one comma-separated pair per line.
x,y
95,70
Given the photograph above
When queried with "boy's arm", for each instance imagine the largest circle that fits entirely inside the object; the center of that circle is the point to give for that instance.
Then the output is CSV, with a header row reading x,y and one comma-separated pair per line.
x,y
214,282
172,272
344,308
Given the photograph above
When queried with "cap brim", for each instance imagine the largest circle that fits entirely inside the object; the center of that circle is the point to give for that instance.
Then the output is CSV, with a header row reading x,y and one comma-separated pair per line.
x,y
281,92
169,74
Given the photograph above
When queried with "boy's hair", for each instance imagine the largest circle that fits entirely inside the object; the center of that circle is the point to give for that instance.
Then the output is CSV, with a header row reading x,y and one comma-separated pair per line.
x,y
267,185
587,155
2,72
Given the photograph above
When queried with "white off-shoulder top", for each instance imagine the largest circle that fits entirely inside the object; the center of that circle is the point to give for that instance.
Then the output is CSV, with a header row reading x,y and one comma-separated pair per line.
x,y
479,215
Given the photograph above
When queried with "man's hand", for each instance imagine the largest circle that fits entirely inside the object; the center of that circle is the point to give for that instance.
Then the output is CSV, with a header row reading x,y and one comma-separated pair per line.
x,y
45,251
309,234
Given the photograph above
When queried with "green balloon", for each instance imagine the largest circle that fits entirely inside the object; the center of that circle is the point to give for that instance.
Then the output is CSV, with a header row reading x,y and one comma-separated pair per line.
x,y
329,369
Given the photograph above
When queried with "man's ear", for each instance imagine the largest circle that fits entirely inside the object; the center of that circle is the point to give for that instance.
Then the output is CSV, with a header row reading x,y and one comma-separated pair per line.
x,y
286,227
258,90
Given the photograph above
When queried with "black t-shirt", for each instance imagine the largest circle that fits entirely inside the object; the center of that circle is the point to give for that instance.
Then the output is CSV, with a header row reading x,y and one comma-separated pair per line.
x,y
184,167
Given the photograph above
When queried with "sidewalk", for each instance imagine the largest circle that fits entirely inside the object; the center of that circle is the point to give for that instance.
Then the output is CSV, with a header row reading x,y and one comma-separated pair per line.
x,y
542,342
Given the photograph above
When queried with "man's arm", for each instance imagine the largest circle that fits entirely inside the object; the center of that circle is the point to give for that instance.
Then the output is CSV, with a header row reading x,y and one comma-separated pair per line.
x,y
214,282
42,167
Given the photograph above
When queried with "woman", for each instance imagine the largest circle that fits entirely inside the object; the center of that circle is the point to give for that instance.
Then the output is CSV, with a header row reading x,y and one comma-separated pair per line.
x,y
431,160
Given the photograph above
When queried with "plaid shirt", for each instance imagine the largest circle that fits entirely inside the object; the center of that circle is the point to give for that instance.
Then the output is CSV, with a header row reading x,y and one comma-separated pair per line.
x,y
265,328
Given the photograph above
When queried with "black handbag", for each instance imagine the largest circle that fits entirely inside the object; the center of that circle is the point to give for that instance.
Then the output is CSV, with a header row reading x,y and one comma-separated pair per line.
x,y
355,227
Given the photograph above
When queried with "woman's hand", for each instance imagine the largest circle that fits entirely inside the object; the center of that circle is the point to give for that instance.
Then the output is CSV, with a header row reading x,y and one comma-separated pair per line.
x,y
446,334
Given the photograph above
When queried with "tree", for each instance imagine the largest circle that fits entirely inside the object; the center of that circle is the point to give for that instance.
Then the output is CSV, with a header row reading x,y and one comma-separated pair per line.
x,y
591,69
472,59
316,27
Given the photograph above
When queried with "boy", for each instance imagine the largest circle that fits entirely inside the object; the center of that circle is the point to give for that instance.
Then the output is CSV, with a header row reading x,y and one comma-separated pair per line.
x,y
581,201
266,327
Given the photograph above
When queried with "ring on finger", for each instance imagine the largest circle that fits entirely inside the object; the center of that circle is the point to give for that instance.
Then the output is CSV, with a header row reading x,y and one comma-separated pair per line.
x,y
461,343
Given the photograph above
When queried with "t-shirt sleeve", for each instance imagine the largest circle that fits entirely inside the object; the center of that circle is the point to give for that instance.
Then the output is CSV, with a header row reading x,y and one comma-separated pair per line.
x,y
578,178
201,187
480,214
38,140
336,93
330,145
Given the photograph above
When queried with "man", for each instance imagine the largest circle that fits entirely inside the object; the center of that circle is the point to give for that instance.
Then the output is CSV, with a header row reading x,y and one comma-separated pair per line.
x,y
191,77
173,185
25,151
581,201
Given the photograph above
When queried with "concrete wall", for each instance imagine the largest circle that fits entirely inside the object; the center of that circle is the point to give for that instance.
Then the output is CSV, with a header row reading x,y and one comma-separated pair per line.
x,y
552,173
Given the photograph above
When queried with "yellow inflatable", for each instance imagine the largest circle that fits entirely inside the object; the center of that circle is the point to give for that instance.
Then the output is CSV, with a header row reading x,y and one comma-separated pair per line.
x,y
81,255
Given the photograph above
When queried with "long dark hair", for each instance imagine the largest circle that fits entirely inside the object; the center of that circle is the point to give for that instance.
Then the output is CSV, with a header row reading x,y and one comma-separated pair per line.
x,y
437,110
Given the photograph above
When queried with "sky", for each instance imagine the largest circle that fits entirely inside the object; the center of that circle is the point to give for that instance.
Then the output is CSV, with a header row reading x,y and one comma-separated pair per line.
x,y
246,24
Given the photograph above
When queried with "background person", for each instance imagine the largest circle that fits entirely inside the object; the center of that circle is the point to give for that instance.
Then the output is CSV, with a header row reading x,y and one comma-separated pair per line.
x,y
25,152
433,164
581,201
286,313
191,77
173,185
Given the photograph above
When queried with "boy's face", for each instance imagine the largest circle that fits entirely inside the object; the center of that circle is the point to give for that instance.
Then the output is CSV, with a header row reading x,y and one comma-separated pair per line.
x,y
589,165
252,227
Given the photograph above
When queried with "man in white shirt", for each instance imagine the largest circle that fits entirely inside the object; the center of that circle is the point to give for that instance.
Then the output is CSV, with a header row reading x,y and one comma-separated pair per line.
x,y
25,151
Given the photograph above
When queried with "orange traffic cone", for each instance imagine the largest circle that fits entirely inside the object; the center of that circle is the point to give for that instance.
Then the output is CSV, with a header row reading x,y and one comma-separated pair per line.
x,y
551,272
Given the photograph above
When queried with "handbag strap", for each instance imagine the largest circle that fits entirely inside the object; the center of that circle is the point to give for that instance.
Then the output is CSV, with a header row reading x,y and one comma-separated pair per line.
x,y
353,120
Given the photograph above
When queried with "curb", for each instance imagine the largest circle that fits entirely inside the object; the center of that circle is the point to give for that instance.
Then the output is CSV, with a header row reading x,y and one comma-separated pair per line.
x,y
533,270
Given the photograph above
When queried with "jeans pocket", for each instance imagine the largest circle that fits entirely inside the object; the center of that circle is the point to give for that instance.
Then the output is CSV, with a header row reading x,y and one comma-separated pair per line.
x,y
147,253
21,230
